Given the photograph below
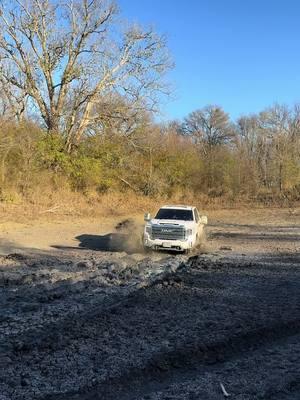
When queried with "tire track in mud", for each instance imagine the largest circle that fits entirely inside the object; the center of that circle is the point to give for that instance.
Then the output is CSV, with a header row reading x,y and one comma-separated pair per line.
x,y
165,368
199,281
291,391
108,302
183,363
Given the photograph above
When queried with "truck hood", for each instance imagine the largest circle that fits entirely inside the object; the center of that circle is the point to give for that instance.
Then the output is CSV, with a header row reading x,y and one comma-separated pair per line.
x,y
187,224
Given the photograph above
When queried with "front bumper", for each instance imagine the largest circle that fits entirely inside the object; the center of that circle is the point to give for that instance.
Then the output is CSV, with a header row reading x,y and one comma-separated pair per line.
x,y
175,245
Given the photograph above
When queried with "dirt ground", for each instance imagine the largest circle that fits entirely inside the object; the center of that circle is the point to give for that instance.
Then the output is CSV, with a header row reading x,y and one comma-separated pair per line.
x,y
85,314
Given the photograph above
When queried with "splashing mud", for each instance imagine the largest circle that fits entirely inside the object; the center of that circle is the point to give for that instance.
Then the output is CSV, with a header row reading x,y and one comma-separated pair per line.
x,y
129,236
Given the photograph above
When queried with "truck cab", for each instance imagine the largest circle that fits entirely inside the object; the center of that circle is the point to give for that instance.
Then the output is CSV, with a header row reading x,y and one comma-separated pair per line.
x,y
177,228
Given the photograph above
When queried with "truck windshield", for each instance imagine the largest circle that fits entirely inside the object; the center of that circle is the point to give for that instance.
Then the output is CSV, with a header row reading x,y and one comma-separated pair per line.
x,y
177,214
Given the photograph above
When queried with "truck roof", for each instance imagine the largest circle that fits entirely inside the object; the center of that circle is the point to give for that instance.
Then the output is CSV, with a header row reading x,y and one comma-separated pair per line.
x,y
180,206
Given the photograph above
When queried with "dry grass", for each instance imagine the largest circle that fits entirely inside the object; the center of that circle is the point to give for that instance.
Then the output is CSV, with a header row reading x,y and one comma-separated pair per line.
x,y
63,204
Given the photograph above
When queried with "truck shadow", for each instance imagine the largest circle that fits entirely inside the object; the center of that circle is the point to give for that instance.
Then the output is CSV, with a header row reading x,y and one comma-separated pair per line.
x,y
111,242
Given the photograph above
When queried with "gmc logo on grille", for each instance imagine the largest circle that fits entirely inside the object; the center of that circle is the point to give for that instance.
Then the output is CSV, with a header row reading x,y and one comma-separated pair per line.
x,y
166,230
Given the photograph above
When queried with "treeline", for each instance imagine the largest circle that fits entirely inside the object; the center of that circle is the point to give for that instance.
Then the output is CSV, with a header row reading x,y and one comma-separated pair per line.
x,y
256,158
78,92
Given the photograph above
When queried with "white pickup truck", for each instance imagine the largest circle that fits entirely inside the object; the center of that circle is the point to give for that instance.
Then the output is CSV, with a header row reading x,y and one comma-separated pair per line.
x,y
176,228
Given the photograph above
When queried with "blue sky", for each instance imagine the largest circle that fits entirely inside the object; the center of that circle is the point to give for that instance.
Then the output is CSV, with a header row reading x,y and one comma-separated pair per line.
x,y
242,55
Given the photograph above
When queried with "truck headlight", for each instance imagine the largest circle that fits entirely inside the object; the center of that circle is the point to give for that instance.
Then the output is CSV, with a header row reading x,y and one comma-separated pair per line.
x,y
189,232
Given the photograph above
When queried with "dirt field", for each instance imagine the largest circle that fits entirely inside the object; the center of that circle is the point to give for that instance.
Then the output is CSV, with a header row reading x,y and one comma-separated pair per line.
x,y
85,314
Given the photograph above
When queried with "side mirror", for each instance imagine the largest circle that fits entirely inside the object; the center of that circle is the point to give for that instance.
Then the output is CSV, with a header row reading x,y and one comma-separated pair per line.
x,y
204,220
147,217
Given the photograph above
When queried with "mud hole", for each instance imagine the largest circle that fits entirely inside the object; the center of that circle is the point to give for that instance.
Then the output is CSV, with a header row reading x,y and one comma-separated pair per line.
x,y
111,322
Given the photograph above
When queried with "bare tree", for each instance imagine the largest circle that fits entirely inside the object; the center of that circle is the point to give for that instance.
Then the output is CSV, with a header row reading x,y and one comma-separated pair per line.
x,y
12,102
278,124
269,147
68,55
209,126
118,117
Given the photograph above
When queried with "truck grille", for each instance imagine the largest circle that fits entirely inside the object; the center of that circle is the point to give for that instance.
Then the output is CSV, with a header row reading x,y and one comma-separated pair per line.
x,y
168,232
